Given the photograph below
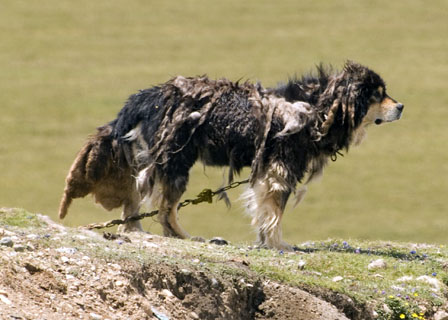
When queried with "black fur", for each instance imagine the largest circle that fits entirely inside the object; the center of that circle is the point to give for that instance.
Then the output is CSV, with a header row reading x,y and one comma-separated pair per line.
x,y
162,131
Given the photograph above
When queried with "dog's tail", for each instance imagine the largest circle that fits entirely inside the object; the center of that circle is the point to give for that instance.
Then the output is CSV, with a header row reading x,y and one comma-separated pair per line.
x,y
91,164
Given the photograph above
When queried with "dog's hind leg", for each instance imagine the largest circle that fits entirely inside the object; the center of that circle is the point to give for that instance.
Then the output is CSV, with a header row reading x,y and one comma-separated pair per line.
x,y
131,207
168,211
267,201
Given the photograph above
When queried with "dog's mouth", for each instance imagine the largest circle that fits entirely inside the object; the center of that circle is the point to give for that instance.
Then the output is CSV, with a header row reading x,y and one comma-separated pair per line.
x,y
391,115
381,121
389,118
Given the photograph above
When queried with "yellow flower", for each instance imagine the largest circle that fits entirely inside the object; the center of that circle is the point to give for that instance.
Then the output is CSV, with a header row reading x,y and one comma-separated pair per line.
x,y
391,297
416,294
402,316
414,315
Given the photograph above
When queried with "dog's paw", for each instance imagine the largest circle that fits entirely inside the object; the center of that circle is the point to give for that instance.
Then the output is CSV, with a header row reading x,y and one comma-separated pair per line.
x,y
280,246
130,227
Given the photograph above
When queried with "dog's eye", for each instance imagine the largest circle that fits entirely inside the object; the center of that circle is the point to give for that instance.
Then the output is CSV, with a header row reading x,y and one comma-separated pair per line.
x,y
377,95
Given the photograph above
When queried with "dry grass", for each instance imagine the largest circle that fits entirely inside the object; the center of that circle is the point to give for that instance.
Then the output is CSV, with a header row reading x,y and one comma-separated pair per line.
x,y
67,67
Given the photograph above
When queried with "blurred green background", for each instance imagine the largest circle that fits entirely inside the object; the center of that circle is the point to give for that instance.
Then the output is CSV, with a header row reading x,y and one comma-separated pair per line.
x,y
66,67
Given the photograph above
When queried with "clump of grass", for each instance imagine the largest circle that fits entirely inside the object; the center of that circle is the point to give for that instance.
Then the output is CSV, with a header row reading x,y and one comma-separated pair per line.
x,y
17,217
386,289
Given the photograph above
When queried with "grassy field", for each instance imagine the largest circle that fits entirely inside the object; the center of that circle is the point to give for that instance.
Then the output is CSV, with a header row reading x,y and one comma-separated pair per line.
x,y
67,68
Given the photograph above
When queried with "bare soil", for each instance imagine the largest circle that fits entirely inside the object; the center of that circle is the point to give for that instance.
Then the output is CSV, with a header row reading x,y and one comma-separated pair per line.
x,y
50,276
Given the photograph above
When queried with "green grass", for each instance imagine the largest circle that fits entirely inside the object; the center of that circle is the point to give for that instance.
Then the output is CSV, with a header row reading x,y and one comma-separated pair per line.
x,y
19,218
67,68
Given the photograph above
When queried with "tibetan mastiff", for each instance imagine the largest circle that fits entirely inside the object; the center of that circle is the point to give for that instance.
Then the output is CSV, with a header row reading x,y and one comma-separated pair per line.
x,y
285,134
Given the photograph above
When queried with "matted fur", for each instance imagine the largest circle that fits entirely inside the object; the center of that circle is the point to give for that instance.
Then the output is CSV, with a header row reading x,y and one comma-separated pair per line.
x,y
283,134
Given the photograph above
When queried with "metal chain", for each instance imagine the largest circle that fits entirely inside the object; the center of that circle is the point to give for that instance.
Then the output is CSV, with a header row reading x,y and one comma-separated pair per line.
x,y
205,195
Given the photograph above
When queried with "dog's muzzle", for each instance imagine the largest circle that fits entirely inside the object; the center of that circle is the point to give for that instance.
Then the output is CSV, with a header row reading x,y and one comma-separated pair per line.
x,y
392,115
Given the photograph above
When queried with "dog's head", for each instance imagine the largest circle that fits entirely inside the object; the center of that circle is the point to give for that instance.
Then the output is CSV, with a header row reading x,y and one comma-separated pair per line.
x,y
372,103
355,98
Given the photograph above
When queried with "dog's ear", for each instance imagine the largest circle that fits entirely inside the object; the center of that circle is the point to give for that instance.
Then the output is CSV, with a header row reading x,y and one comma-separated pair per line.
x,y
295,116
357,72
361,74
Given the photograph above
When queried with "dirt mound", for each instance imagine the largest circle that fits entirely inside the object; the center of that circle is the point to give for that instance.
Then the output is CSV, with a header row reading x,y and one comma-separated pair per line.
x,y
60,273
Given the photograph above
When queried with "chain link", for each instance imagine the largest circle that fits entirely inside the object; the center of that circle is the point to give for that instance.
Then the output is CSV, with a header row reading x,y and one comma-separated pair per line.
x,y
205,195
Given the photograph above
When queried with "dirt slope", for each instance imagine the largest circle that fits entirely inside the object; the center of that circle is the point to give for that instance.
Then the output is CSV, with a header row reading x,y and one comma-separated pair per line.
x,y
52,272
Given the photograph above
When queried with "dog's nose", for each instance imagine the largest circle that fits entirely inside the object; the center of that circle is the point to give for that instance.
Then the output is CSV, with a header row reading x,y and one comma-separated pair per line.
x,y
400,107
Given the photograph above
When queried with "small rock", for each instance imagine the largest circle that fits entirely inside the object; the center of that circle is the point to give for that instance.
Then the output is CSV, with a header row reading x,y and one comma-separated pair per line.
x,y
64,259
147,309
422,309
196,261
95,316
147,244
441,315
194,315
19,248
377,264
219,241
301,264
185,271
397,288
194,116
79,302
114,266
31,268
32,236
159,315
66,250
5,300
167,293
5,232
6,241
119,283
431,281
405,279
337,279
215,283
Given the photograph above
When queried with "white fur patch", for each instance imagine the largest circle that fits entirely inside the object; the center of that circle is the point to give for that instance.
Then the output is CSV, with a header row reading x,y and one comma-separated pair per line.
x,y
134,133
294,116
139,146
141,180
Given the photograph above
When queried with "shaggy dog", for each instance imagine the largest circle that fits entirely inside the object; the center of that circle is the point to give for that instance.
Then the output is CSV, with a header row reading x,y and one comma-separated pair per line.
x,y
285,134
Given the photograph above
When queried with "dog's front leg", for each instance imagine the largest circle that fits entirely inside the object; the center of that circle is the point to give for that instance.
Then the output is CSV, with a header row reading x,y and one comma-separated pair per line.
x,y
267,201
